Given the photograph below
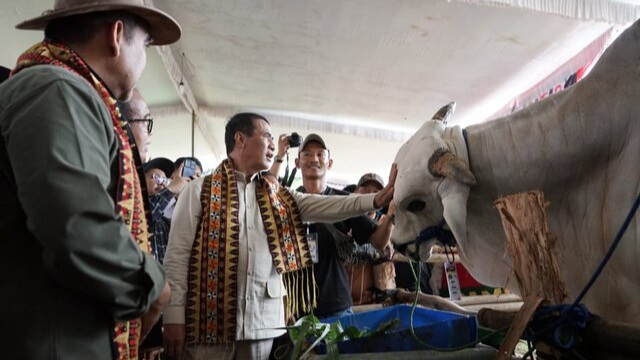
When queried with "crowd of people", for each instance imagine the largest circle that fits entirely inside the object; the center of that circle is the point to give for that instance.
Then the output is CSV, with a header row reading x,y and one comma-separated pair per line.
x,y
106,253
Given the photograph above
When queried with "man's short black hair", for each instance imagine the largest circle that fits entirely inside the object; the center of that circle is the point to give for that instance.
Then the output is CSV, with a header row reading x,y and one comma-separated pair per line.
x,y
79,29
242,122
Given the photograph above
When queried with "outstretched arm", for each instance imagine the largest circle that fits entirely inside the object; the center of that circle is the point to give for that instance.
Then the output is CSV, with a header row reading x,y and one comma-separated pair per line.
x,y
283,147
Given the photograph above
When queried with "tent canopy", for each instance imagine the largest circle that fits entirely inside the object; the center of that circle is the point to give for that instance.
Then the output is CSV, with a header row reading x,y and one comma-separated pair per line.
x,y
362,74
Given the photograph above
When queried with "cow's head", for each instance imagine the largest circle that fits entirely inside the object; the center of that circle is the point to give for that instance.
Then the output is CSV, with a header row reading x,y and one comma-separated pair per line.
x,y
433,182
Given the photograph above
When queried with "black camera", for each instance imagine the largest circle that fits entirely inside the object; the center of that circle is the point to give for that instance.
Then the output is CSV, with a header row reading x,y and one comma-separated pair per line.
x,y
295,140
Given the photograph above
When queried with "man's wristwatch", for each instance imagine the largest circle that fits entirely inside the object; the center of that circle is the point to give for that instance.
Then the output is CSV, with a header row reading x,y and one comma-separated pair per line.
x,y
279,159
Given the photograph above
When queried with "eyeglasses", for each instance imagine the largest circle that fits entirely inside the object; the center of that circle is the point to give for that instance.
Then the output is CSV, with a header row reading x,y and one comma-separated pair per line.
x,y
160,180
149,122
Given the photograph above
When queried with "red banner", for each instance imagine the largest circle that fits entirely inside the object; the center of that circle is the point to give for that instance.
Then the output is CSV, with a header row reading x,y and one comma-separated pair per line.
x,y
566,75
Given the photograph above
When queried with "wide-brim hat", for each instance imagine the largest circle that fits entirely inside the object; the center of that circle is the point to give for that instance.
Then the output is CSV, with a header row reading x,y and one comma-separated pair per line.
x,y
161,163
162,27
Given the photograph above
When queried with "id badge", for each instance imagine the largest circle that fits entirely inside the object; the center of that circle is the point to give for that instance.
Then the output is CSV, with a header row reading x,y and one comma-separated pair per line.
x,y
312,240
455,293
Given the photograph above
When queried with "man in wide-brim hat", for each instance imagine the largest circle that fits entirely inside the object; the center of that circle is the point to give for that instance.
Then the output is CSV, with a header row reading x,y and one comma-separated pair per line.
x,y
76,278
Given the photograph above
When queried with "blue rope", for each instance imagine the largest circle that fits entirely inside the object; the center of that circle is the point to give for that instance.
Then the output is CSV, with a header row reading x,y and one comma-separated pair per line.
x,y
607,257
558,325
444,236
566,320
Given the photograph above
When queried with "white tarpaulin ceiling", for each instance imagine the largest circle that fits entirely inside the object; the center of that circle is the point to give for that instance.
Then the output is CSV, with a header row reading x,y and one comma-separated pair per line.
x,y
364,74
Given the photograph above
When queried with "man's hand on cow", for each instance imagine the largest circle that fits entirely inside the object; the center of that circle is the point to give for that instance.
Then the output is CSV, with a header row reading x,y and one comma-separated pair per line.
x,y
384,196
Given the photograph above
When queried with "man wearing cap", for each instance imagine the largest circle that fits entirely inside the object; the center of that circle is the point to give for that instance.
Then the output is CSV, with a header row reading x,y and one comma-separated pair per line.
x,y
370,183
335,299
76,278
237,247
403,271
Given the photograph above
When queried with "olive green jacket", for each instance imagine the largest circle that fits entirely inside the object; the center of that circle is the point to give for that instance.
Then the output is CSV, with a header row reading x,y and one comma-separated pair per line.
x,y
68,265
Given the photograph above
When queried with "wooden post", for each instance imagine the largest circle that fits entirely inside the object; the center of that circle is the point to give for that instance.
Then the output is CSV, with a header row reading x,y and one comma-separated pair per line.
x,y
531,246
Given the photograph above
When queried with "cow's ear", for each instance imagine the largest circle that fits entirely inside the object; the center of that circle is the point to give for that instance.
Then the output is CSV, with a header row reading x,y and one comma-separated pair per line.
x,y
445,163
445,112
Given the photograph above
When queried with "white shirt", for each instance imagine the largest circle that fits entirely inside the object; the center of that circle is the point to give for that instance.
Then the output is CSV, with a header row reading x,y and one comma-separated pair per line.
x,y
260,288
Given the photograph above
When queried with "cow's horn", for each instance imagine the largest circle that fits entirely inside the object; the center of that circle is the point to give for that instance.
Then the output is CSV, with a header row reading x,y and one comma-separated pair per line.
x,y
445,163
445,112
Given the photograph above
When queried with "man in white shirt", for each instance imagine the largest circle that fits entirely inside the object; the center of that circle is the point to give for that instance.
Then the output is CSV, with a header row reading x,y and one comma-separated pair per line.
x,y
235,238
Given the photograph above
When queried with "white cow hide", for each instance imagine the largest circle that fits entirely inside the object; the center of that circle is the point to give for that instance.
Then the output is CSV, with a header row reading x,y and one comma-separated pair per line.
x,y
581,147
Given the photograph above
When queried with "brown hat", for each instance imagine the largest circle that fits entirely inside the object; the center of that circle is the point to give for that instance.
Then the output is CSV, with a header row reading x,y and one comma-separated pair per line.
x,y
309,138
371,177
163,28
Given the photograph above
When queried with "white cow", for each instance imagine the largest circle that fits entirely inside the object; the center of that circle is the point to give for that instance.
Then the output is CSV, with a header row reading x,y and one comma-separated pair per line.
x,y
581,147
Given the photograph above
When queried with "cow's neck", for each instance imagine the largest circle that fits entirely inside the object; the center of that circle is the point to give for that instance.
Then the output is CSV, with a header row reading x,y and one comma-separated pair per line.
x,y
535,147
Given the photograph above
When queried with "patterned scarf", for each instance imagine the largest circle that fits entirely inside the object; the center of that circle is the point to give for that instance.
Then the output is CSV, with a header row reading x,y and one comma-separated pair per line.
x,y
213,274
128,197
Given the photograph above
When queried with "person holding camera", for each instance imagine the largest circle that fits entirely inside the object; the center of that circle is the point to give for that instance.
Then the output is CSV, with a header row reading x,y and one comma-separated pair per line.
x,y
236,247
285,142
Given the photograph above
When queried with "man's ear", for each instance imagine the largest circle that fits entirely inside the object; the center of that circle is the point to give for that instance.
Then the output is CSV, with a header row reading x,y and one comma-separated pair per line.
x,y
297,161
239,139
329,164
115,37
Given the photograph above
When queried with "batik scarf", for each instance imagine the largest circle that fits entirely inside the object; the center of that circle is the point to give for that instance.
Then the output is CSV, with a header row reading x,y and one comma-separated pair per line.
x,y
128,197
213,269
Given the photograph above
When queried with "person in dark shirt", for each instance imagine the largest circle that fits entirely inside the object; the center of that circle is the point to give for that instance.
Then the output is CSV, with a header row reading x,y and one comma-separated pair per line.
x,y
335,294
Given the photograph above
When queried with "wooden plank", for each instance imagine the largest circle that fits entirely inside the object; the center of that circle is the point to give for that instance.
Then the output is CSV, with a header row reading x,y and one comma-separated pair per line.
x,y
488,299
516,329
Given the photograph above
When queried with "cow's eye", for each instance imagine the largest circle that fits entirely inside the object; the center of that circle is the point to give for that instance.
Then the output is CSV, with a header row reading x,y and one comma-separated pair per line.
x,y
416,205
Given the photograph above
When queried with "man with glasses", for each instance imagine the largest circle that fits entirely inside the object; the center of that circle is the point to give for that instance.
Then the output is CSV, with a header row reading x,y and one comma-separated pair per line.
x,y
77,280
135,113
314,161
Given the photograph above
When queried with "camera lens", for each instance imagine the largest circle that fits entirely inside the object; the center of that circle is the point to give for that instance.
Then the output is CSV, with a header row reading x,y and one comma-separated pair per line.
x,y
295,140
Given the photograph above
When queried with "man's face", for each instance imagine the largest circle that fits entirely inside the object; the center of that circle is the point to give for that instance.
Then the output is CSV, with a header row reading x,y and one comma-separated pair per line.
x,y
131,62
156,180
369,187
138,110
258,148
314,161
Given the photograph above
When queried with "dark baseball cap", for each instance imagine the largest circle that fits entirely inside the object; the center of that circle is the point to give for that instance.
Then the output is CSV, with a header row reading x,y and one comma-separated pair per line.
x,y
371,177
310,138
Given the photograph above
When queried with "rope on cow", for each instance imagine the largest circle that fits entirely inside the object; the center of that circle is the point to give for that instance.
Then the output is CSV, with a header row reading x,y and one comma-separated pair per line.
x,y
557,325
607,257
